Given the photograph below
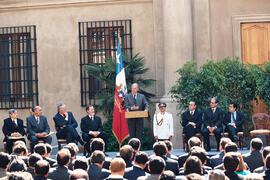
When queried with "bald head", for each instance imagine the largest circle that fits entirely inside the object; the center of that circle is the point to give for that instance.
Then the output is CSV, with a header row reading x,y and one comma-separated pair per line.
x,y
78,174
134,88
42,168
63,157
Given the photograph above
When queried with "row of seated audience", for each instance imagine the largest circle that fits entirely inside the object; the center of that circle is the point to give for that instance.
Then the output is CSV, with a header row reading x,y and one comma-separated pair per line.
x,y
132,164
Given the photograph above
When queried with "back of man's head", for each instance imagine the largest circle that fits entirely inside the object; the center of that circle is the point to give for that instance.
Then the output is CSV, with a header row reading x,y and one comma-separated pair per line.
x,y
200,153
126,152
63,157
267,161
20,149
160,148
194,141
169,145
80,163
5,160
167,175
97,144
266,151
78,174
17,165
256,144
33,159
231,161
48,148
70,149
223,142
230,147
141,158
118,165
135,143
97,157
42,168
156,165
40,149
74,147
19,176
194,176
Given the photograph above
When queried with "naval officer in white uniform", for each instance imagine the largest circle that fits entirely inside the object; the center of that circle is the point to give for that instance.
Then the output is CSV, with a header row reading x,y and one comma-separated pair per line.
x,y
163,124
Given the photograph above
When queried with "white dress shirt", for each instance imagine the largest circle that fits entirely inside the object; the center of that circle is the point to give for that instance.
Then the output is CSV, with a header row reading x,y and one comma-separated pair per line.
x,y
165,129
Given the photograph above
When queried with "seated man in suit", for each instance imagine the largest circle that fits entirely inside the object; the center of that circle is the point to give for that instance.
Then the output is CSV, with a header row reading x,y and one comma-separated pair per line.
x,y
38,128
132,173
218,158
234,121
12,128
213,118
191,121
91,127
95,170
65,125
117,169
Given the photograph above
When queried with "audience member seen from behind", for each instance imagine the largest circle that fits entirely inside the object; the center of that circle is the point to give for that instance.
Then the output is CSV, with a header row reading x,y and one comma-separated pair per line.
x,y
242,169
231,164
78,174
126,152
117,169
95,171
193,165
167,175
42,168
5,160
266,151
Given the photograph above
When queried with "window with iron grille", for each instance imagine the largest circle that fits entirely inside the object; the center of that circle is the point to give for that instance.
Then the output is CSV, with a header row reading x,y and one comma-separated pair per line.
x,y
18,67
98,39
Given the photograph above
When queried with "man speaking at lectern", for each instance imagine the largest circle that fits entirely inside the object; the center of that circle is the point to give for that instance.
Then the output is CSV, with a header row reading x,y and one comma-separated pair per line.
x,y
135,102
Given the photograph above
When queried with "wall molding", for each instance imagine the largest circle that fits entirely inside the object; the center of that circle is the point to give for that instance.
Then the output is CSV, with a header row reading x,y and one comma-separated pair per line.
x,y
26,5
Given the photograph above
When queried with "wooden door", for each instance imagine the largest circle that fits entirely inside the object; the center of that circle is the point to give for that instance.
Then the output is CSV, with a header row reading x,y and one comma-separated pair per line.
x,y
255,49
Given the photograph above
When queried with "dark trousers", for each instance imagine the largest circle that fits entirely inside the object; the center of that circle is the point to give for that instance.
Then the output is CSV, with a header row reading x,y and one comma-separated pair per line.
x,y
233,131
217,133
87,137
10,143
190,131
135,127
34,140
69,133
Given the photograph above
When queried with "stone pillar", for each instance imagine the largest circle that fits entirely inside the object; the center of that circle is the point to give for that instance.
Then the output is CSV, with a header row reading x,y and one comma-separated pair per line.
x,y
177,50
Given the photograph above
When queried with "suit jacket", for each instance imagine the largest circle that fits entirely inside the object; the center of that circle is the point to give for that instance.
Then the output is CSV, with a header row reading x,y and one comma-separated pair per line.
x,y
239,121
97,173
60,172
253,160
9,128
107,163
60,121
196,118
40,178
266,174
52,162
33,127
171,165
140,101
217,159
91,125
31,171
182,159
129,163
211,119
171,156
132,173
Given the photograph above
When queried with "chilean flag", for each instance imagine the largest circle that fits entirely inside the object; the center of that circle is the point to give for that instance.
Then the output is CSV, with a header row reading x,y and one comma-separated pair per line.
x,y
120,128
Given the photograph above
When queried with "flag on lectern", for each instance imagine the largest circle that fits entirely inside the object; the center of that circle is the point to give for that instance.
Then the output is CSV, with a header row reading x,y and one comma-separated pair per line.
x,y
120,128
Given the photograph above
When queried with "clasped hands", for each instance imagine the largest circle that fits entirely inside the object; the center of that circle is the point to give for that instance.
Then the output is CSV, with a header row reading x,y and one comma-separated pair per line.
x,y
193,124
232,124
94,133
41,134
15,134
211,129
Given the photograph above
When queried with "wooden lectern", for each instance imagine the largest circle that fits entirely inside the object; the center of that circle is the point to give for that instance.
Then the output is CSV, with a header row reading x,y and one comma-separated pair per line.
x,y
136,114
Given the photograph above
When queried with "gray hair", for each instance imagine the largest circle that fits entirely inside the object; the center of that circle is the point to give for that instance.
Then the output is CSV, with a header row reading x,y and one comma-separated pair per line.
x,y
135,84
59,106
11,111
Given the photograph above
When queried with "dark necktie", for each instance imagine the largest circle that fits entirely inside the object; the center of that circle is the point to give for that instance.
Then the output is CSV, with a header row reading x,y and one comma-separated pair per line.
x,y
191,113
213,111
38,121
134,98
15,125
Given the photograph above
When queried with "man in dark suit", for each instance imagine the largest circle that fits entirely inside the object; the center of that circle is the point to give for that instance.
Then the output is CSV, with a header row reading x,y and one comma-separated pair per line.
x,y
126,152
95,171
132,173
13,128
191,121
218,158
117,168
62,171
33,159
234,121
160,149
135,102
38,128
254,157
91,127
65,125
213,118
42,168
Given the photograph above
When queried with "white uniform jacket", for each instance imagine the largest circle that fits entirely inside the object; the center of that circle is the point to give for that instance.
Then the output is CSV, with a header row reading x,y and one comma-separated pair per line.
x,y
163,125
